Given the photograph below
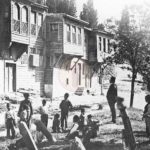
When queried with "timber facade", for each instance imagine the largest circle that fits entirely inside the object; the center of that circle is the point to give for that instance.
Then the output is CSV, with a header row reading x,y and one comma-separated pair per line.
x,y
47,52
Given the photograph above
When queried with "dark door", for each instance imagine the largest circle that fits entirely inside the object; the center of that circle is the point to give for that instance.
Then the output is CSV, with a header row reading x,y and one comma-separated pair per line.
x,y
79,66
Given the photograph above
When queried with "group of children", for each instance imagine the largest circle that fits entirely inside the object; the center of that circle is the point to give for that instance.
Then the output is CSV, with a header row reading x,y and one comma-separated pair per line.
x,y
88,129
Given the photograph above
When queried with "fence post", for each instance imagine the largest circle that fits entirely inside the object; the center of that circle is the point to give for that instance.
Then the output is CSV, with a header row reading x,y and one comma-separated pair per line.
x,y
127,132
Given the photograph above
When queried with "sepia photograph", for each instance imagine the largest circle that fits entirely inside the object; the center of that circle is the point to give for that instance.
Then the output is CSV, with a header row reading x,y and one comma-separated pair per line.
x,y
75,75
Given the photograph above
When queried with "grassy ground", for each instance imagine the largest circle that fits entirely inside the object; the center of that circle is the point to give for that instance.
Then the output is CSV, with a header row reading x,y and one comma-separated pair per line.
x,y
109,135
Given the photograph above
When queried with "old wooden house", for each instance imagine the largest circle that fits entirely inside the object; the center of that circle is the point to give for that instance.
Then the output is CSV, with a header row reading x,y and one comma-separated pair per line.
x,y
48,53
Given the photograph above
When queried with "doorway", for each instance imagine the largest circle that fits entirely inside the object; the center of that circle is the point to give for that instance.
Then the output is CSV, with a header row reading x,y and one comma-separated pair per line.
x,y
10,77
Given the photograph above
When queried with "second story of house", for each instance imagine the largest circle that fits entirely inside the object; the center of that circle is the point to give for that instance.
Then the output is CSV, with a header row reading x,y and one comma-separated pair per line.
x,y
26,18
99,46
65,34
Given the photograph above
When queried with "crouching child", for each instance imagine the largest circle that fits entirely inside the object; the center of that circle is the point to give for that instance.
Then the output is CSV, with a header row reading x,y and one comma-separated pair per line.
x,y
74,130
56,123
90,130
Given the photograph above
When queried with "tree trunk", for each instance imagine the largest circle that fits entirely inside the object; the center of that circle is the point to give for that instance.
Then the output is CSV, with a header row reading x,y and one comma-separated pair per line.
x,y
132,87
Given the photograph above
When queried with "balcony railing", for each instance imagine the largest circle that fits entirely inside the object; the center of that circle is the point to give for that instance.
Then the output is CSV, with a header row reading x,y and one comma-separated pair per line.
x,y
33,29
16,26
24,28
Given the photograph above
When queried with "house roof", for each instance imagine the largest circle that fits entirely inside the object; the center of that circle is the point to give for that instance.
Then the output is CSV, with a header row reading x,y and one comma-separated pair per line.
x,y
38,3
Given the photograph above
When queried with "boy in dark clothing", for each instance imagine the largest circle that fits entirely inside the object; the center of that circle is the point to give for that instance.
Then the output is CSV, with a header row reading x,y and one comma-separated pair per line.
x,y
82,119
65,105
30,109
10,122
56,123
111,98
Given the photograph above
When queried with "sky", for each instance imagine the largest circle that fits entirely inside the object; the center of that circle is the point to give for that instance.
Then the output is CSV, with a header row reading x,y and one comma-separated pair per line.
x,y
110,8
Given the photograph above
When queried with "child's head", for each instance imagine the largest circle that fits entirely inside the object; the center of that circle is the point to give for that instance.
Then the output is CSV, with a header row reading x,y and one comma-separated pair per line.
x,y
89,117
75,118
112,79
8,106
56,116
44,102
26,96
147,98
82,110
66,95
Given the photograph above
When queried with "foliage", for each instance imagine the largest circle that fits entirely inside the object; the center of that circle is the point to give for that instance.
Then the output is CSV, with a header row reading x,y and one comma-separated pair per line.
x,y
132,38
62,6
89,14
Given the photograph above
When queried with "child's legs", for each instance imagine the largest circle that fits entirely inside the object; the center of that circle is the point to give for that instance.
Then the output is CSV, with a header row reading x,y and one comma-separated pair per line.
x,y
8,126
66,117
62,120
12,131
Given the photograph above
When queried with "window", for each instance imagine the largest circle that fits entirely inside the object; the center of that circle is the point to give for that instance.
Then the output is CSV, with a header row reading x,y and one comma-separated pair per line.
x,y
16,12
108,46
68,33
33,17
104,44
79,36
40,19
74,34
100,40
83,69
33,50
54,27
49,61
24,14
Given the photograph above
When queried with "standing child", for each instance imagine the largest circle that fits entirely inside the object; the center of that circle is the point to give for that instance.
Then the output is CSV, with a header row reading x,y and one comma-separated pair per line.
x,y
10,122
82,119
65,105
56,124
44,113
146,114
